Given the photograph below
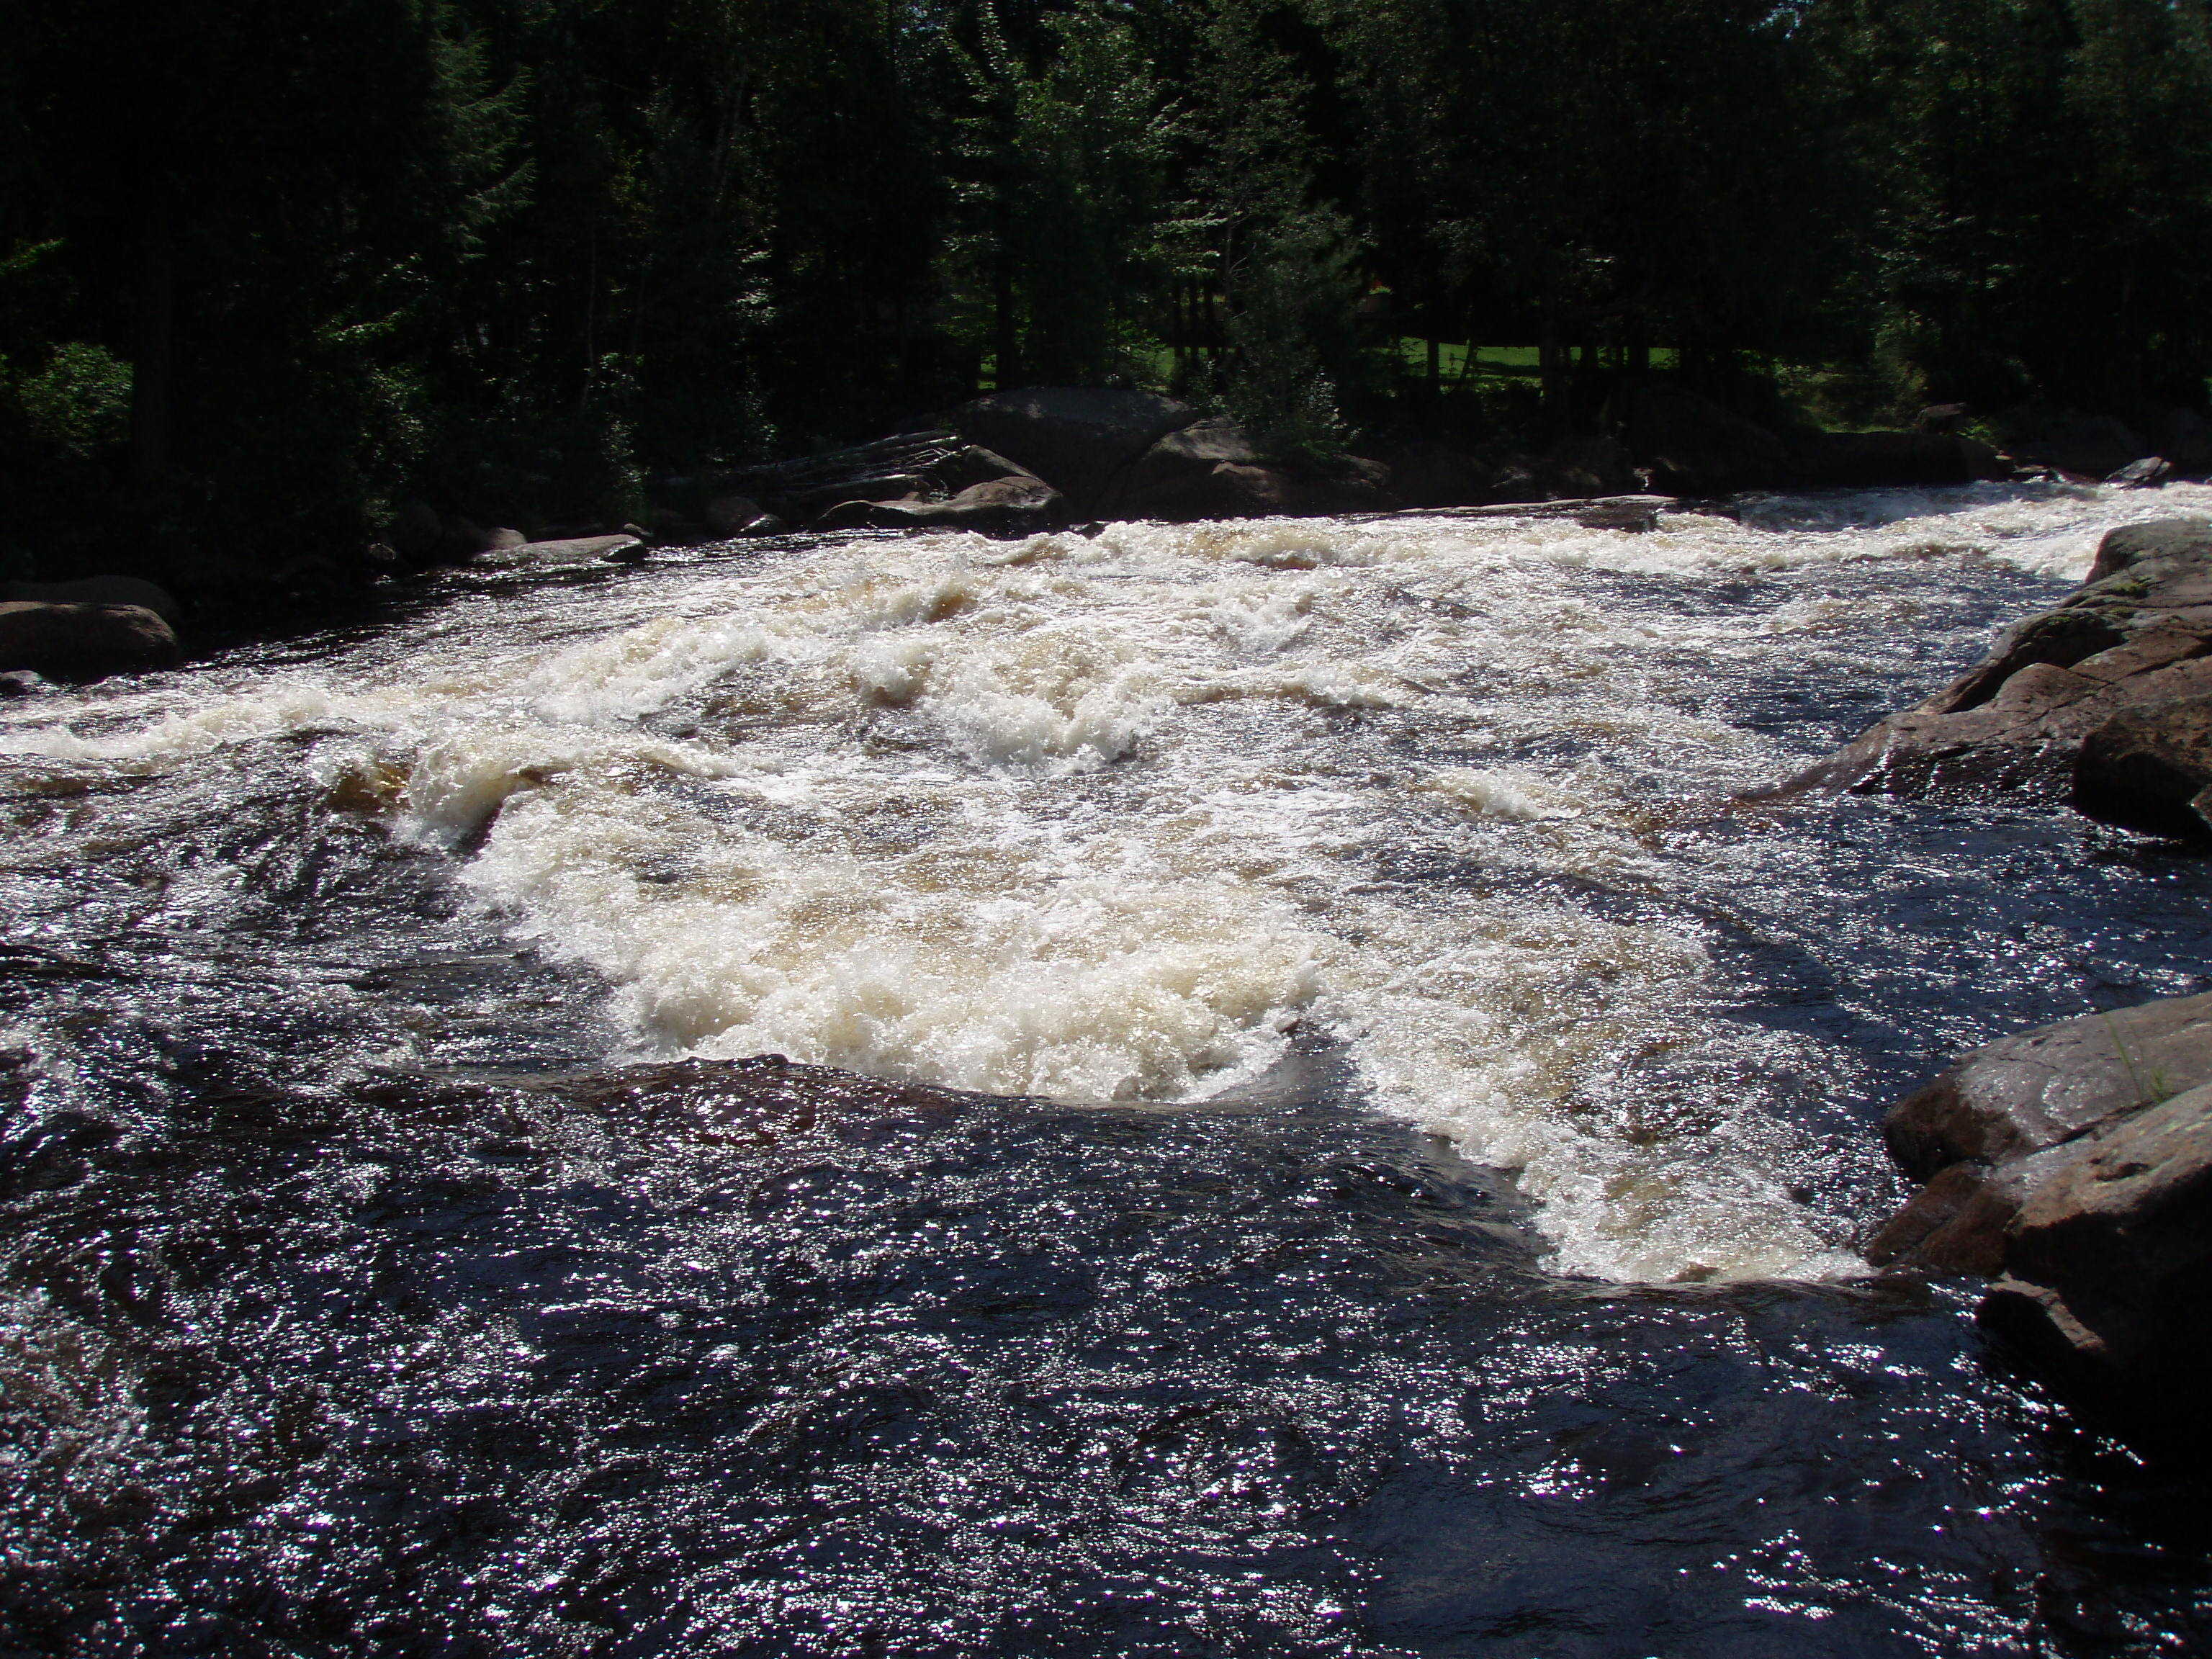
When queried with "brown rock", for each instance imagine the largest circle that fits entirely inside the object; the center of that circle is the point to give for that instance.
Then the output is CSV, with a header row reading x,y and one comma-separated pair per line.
x,y
2074,1165
2108,1264
2021,1094
84,641
2099,702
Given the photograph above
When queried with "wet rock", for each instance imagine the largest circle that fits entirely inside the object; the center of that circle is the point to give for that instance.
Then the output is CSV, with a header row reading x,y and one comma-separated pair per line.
x,y
1078,439
2148,769
573,551
2073,1164
2108,1262
2099,702
2147,473
20,683
1020,505
2022,1094
100,590
969,465
84,641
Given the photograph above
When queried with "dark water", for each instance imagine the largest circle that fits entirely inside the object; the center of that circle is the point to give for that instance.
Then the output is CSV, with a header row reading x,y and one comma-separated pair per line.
x,y
494,1352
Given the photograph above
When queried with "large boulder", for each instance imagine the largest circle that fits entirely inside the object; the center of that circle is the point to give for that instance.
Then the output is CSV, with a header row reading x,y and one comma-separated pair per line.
x,y
2101,701
1171,478
1078,439
1695,446
1216,468
84,641
2073,1164
100,590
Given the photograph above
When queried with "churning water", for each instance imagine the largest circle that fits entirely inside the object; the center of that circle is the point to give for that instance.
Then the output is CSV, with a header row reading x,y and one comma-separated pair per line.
x,y
1415,1118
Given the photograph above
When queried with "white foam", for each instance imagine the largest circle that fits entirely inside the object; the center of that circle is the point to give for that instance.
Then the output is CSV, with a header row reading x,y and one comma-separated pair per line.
x,y
1102,818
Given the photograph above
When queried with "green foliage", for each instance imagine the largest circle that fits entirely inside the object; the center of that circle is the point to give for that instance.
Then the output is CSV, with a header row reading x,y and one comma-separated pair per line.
x,y
1056,247
74,407
267,272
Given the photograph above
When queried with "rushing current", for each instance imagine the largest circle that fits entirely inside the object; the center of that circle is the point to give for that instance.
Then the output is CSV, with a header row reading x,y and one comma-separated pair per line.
x,y
1413,1105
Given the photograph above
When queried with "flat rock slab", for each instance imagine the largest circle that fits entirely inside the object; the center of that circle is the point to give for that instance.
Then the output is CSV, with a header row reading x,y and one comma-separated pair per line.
x,y
578,550
2104,702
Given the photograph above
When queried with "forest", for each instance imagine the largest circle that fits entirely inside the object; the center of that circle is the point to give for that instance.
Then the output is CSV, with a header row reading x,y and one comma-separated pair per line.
x,y
266,270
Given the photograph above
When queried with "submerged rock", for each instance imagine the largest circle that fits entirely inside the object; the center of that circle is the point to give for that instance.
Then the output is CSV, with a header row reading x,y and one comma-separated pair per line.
x,y
2073,1165
2101,701
577,550
84,641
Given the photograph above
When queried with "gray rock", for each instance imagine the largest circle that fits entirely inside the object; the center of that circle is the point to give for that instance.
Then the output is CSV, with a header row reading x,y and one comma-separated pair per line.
x,y
100,590
84,641
2147,473
1078,439
2098,702
2158,539
972,464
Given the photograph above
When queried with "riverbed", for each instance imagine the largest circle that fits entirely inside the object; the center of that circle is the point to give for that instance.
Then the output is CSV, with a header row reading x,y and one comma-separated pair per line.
x,y
1345,1129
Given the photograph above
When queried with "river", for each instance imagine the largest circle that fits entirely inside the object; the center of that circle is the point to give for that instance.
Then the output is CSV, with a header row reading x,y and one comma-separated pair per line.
x,y
1356,1137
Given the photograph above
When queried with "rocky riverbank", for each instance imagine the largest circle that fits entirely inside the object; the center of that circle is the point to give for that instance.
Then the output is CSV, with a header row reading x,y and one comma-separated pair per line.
x,y
1016,463
2072,1165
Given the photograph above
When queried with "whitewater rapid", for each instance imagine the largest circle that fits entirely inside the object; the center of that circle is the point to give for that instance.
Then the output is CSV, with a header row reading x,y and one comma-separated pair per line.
x,y
1122,817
